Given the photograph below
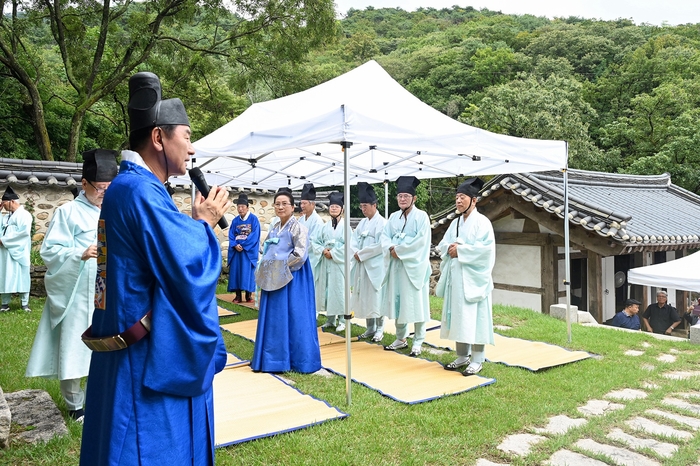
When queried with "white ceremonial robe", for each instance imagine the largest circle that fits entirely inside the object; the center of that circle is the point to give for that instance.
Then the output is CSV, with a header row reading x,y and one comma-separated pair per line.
x,y
14,252
406,284
329,274
465,281
314,224
368,274
58,351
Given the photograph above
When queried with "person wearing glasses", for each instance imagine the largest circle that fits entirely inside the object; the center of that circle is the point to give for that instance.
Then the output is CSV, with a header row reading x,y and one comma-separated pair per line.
x,y
15,246
69,251
406,238
468,252
286,338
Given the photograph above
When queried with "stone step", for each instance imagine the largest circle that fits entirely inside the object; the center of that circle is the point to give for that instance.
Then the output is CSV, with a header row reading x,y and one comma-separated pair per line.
x,y
560,425
621,456
626,394
5,421
681,375
483,462
520,444
654,428
682,404
663,449
666,358
598,407
570,458
692,422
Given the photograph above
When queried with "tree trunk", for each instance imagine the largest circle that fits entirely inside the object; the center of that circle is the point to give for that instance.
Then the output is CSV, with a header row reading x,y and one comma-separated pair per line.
x,y
36,110
75,126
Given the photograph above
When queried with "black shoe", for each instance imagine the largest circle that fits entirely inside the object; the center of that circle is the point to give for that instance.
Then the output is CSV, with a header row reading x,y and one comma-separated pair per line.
x,y
78,415
4,308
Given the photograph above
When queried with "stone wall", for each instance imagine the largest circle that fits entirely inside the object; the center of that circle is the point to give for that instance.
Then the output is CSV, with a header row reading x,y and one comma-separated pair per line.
x,y
44,199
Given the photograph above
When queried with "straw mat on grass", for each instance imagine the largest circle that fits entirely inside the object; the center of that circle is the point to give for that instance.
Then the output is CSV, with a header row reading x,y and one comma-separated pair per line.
x,y
250,405
531,355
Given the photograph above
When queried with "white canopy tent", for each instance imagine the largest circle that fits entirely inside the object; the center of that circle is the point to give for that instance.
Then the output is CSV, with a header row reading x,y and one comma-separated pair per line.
x,y
362,126
679,273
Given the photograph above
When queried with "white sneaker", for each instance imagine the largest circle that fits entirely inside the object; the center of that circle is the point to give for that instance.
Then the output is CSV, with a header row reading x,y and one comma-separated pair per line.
x,y
340,328
378,336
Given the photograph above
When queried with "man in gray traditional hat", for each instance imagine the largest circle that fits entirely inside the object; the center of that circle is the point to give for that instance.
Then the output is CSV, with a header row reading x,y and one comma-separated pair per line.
x,y
15,247
69,251
468,252
406,238
155,331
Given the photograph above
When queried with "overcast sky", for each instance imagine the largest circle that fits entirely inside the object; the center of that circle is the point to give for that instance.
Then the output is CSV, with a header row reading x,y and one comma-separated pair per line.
x,y
657,12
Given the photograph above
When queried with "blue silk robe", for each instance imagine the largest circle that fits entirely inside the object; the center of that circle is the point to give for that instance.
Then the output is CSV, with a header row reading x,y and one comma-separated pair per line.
x,y
241,265
14,252
58,351
368,274
465,281
286,338
406,284
329,274
152,403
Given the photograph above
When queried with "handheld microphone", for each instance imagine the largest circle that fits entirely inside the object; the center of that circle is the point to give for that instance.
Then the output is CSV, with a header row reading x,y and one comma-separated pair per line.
x,y
200,182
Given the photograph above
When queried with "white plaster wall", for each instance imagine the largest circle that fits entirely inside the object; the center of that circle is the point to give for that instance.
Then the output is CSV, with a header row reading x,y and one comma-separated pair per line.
x,y
509,225
519,299
518,265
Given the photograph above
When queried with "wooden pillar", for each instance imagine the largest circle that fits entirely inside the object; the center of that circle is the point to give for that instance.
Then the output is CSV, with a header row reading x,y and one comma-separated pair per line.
x,y
549,260
595,288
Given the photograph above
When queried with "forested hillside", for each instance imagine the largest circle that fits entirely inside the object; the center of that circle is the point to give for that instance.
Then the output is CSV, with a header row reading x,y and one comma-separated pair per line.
x,y
624,96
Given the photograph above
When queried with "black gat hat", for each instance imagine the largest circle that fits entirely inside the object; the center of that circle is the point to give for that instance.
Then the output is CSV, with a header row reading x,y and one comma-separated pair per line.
x,y
146,106
99,165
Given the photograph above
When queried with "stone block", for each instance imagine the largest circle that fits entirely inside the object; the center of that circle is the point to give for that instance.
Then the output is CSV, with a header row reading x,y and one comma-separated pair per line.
x,y
36,410
5,421
558,311
585,317
695,334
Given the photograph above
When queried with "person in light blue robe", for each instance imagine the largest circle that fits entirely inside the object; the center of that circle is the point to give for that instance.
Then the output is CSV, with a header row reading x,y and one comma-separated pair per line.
x,y
329,272
151,401
406,238
15,247
286,338
312,221
468,252
369,262
69,251
243,247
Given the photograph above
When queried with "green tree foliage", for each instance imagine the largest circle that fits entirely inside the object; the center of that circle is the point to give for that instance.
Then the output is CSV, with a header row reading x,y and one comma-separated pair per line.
x,y
81,53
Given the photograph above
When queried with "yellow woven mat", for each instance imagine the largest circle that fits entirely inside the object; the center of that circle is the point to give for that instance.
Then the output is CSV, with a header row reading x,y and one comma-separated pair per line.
x,y
531,355
250,405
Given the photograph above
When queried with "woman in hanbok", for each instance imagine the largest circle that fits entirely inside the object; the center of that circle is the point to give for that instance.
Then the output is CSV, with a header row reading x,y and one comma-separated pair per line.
x,y
286,338
329,273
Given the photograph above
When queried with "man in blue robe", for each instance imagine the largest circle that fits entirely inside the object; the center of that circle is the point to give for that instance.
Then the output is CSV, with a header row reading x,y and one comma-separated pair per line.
x,y
406,238
155,330
69,251
15,246
243,247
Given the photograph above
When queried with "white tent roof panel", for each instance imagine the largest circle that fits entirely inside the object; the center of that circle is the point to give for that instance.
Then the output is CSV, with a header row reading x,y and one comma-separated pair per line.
x,y
296,139
680,273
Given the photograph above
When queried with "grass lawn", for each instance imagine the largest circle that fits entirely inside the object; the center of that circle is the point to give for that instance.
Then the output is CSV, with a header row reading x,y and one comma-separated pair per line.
x,y
449,431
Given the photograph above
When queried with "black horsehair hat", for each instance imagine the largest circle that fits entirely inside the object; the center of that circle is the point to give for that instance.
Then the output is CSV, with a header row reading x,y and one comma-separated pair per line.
x,y
471,186
9,195
336,198
308,192
407,184
146,107
365,193
99,165
242,199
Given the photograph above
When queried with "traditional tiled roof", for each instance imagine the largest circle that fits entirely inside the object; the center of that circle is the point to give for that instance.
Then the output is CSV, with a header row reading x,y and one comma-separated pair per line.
x,y
633,210
25,172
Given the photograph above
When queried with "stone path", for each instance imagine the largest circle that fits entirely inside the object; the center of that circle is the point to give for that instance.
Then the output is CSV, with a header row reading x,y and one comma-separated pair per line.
x,y
646,439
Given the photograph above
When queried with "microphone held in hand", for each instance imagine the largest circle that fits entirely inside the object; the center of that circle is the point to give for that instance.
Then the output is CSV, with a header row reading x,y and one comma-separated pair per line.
x,y
200,182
